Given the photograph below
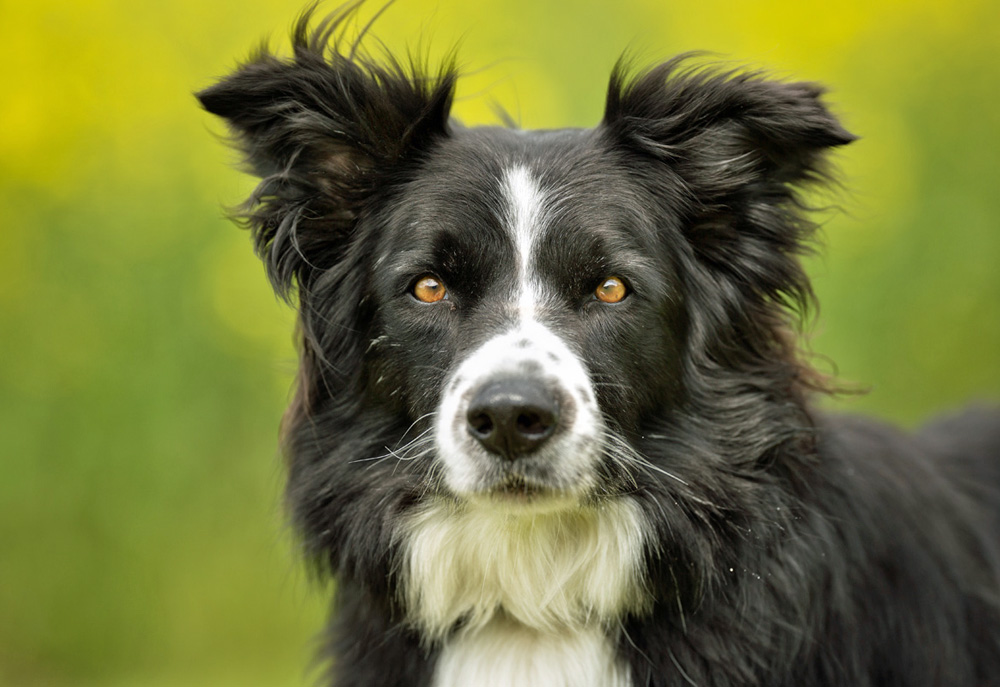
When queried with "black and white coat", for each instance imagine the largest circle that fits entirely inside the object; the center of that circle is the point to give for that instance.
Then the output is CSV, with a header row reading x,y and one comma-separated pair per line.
x,y
652,501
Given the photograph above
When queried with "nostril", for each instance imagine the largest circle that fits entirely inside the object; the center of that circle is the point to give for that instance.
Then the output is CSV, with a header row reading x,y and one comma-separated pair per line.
x,y
534,424
480,424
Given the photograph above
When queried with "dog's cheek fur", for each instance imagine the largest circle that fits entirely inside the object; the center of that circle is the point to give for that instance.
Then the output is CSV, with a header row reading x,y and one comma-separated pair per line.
x,y
647,379
402,371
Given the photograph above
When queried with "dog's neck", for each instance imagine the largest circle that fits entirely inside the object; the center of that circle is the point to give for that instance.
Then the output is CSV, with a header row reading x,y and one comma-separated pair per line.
x,y
550,571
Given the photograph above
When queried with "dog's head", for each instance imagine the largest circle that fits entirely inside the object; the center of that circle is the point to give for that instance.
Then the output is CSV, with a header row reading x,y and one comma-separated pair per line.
x,y
514,313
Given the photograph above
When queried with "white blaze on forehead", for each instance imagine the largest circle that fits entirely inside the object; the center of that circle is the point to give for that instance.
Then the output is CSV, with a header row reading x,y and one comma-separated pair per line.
x,y
525,213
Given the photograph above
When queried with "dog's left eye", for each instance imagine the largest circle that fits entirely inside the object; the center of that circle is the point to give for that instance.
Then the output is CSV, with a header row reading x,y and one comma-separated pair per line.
x,y
429,289
611,290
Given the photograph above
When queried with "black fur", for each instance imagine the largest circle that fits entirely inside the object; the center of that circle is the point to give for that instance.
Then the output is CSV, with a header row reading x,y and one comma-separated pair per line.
x,y
796,548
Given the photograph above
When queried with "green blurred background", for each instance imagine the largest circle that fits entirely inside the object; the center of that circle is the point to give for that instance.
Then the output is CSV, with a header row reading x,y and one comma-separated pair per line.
x,y
144,364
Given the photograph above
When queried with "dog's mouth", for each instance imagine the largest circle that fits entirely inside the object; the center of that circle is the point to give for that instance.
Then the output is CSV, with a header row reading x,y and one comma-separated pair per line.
x,y
517,488
518,492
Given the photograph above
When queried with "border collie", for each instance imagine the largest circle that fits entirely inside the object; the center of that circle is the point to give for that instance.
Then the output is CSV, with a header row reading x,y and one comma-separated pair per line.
x,y
550,426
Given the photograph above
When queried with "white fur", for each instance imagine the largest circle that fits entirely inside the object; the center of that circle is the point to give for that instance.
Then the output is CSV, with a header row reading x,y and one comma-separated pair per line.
x,y
525,218
566,568
504,654
530,349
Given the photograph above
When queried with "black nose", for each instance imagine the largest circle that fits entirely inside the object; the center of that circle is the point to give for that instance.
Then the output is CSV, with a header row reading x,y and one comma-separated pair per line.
x,y
512,417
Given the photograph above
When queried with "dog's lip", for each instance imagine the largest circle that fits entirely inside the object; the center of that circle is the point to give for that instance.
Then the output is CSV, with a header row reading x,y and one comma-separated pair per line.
x,y
521,489
518,492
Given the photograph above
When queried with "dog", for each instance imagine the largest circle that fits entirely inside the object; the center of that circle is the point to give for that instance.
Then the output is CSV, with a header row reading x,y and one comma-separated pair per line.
x,y
551,424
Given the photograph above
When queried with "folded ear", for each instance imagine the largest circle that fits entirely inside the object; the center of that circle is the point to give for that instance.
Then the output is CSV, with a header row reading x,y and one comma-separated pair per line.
x,y
321,129
700,118
736,147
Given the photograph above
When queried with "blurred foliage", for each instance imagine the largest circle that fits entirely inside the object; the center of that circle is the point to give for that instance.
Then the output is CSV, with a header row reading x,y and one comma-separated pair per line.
x,y
145,364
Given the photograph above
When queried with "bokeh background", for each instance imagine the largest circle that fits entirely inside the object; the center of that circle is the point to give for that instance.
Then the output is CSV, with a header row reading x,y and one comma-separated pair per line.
x,y
144,363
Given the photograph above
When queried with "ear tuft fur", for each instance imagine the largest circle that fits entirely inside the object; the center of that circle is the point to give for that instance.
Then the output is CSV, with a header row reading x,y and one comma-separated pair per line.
x,y
669,109
321,129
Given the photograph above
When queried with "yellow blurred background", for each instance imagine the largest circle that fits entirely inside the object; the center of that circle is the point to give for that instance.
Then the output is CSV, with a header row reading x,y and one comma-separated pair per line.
x,y
144,363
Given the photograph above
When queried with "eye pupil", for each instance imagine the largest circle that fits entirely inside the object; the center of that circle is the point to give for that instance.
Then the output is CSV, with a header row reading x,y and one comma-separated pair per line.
x,y
429,289
611,290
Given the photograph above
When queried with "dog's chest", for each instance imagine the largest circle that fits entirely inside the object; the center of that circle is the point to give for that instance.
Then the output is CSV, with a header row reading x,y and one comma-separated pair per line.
x,y
532,594
506,654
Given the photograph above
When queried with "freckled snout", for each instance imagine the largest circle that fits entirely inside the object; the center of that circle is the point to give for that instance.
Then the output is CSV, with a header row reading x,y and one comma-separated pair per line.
x,y
520,409
512,417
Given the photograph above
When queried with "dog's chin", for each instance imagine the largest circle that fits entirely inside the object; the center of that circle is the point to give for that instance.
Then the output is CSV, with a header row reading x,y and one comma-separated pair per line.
x,y
516,493
560,477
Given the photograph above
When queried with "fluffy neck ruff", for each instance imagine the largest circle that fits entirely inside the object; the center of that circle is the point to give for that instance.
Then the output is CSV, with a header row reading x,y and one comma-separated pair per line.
x,y
554,571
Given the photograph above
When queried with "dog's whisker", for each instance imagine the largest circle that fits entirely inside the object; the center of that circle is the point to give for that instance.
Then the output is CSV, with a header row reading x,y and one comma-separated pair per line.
x,y
622,449
423,441
415,423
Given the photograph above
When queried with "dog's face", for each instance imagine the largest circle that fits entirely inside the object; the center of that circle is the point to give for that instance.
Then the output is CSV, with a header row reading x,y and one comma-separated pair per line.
x,y
494,314
526,306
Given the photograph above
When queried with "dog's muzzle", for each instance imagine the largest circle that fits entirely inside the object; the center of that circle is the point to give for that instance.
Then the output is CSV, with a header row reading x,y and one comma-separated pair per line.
x,y
519,410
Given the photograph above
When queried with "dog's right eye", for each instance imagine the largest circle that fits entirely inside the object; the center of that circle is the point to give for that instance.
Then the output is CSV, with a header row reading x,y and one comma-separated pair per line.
x,y
429,289
611,290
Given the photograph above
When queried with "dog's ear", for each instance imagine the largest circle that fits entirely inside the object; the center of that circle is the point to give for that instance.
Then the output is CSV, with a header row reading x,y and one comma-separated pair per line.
x,y
723,129
321,129
736,147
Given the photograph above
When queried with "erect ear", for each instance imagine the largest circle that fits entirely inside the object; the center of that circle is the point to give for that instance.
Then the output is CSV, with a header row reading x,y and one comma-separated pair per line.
x,y
321,129
738,147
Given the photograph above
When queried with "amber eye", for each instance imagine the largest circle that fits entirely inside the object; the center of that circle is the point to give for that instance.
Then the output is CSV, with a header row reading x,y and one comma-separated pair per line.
x,y
611,290
429,289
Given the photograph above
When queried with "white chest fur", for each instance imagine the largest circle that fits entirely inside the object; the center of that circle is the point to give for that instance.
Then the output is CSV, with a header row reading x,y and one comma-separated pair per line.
x,y
534,591
506,654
